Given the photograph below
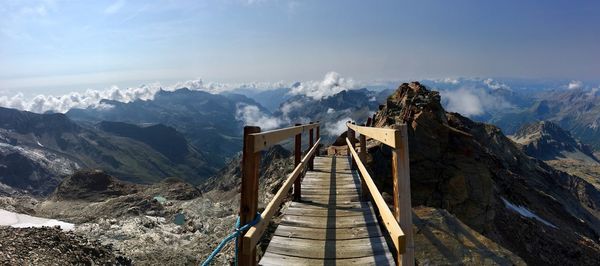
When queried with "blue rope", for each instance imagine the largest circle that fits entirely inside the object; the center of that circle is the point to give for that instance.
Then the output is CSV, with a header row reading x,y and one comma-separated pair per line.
x,y
235,234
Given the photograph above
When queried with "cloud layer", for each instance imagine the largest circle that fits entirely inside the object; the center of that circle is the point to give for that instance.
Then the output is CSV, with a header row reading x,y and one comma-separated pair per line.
x,y
91,98
331,84
251,115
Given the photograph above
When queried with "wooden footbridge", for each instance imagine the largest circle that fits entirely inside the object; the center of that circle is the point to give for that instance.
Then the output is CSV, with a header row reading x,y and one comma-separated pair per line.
x,y
338,216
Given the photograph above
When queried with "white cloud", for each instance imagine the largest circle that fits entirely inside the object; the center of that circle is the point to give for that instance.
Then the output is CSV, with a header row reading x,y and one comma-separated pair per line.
x,y
251,115
493,84
575,84
114,7
287,107
337,128
472,101
91,98
463,101
330,111
331,84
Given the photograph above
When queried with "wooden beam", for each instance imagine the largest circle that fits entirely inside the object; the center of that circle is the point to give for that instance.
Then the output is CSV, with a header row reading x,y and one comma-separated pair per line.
x,y
254,234
385,135
267,139
249,192
297,159
389,221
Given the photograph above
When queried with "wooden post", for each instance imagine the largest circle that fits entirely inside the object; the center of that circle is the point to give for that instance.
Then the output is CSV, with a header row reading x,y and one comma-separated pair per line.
x,y
311,142
369,122
249,192
318,135
402,202
297,159
363,159
352,139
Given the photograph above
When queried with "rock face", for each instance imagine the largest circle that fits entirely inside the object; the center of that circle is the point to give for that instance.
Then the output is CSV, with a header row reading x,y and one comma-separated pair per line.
x,y
545,140
476,173
92,186
51,246
442,239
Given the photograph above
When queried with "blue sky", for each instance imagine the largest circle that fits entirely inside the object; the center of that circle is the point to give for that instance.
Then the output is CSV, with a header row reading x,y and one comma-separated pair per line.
x,y
54,47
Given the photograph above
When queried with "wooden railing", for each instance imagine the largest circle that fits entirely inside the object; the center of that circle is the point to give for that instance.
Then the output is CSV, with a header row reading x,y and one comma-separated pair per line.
x,y
399,223
255,142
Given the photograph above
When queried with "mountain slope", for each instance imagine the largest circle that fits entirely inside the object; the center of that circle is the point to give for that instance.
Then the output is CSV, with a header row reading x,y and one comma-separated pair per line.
x,y
547,141
577,111
37,150
208,120
477,174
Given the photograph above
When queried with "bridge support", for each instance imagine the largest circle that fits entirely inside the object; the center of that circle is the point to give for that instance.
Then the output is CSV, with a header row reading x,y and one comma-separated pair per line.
x,y
249,191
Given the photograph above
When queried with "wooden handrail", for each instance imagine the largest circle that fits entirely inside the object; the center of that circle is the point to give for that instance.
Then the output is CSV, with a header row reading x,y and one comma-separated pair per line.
x,y
387,136
391,225
267,139
254,142
254,234
397,139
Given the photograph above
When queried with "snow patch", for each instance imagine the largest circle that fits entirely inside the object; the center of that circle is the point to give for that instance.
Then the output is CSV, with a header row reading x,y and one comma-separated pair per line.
x,y
18,220
526,212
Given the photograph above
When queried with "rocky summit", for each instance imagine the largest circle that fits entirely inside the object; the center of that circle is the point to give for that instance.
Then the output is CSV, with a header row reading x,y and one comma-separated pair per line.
x,y
477,174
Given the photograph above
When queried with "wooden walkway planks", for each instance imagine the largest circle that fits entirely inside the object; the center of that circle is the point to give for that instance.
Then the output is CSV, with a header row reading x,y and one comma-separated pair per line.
x,y
331,225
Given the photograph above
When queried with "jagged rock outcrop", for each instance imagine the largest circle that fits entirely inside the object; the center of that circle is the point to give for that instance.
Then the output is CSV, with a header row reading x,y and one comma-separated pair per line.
x,y
479,175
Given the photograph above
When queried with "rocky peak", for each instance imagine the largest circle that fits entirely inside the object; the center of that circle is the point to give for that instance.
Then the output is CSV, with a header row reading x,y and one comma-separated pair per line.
x,y
477,174
410,101
546,140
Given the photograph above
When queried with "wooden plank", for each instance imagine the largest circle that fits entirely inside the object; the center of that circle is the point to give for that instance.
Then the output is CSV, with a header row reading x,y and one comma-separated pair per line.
x,y
331,199
391,225
255,233
267,139
328,222
272,259
328,233
345,191
387,136
308,205
328,249
327,212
